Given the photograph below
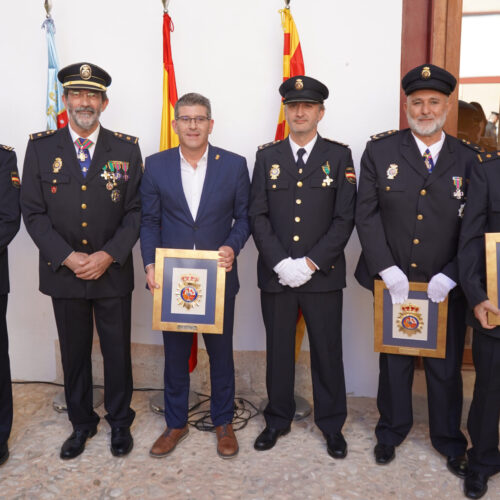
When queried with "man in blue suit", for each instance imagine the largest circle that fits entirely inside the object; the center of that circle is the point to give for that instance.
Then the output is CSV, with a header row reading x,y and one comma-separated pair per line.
x,y
196,196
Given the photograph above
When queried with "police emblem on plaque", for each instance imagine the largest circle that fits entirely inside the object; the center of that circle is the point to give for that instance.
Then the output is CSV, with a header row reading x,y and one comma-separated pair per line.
x,y
409,320
188,291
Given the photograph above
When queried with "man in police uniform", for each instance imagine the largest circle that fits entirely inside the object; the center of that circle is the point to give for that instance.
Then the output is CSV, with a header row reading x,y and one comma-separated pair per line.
x,y
10,218
81,205
482,215
302,215
410,203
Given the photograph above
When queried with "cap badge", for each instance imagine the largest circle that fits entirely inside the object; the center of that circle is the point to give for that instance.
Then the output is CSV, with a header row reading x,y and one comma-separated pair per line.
x,y
57,165
392,171
274,172
426,72
299,84
85,72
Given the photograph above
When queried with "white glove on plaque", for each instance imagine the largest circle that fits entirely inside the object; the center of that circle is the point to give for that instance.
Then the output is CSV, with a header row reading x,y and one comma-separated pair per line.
x,y
439,287
397,283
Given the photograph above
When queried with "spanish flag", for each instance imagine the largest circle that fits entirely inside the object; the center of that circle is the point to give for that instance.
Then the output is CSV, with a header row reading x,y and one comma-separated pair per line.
x,y
168,138
293,63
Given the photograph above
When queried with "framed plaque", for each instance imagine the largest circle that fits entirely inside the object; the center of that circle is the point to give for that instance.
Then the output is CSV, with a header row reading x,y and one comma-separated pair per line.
x,y
492,245
416,328
191,293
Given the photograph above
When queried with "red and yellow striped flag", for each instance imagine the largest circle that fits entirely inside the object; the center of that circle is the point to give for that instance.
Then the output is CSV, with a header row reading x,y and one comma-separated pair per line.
x,y
293,63
168,138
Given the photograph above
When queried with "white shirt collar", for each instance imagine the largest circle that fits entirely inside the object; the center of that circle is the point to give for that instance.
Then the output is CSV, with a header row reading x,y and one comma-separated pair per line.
x,y
202,161
435,148
93,136
308,147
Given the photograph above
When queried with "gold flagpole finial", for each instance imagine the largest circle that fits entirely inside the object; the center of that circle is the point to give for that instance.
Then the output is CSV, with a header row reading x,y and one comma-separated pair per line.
x,y
165,5
48,7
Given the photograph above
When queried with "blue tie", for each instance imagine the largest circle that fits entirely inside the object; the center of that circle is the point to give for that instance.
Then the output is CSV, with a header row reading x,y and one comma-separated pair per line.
x,y
84,154
429,162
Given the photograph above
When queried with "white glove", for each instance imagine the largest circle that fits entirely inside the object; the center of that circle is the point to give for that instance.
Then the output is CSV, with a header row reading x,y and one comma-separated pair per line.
x,y
293,272
397,283
439,287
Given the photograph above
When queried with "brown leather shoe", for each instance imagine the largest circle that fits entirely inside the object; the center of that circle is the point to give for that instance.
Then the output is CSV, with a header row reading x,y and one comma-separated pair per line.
x,y
167,442
227,445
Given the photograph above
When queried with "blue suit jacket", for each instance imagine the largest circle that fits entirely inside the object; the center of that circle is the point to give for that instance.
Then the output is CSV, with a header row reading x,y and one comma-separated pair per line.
x,y
222,217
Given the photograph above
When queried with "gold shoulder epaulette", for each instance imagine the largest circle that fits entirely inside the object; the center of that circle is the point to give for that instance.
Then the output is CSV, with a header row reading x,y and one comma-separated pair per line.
x,y
472,145
7,148
264,146
383,135
488,156
39,135
127,138
336,142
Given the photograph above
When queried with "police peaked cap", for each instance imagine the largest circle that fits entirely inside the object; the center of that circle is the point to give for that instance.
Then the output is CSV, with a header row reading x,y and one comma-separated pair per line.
x,y
428,76
303,89
84,75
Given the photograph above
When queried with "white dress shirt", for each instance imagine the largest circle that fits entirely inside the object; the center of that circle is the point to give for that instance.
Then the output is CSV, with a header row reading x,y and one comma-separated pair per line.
x,y
92,137
193,180
308,147
435,148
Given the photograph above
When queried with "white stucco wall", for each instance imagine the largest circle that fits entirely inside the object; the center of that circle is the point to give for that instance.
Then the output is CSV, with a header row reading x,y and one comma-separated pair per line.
x,y
231,51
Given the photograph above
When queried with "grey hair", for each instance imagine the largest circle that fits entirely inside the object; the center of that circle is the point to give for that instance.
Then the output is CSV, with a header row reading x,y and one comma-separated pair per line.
x,y
193,99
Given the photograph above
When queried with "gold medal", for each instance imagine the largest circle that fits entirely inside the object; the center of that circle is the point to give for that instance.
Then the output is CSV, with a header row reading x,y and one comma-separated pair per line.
x,y
392,171
115,195
81,155
57,165
109,186
275,171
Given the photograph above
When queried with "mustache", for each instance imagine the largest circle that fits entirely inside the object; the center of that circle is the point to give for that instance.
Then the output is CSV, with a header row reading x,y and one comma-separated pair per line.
x,y
85,109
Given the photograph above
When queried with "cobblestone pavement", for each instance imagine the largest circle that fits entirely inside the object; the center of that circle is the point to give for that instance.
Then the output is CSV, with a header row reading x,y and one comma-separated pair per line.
x,y
298,467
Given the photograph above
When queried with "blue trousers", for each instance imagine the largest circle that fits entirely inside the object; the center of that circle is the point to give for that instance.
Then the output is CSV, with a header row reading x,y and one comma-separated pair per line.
x,y
220,352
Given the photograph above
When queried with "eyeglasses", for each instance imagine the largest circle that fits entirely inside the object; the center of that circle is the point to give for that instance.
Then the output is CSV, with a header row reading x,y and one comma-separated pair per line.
x,y
79,94
186,120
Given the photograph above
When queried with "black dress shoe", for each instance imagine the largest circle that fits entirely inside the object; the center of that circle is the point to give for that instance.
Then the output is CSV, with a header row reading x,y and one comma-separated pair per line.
x,y
458,466
475,485
384,453
121,441
268,437
336,446
75,444
4,453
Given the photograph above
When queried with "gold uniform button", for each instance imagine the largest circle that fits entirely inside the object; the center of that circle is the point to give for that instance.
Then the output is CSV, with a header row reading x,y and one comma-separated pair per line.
x,y
297,219
298,202
296,238
300,170
387,188
84,206
84,224
274,186
413,264
420,217
423,192
84,242
54,181
333,267
416,241
49,263
84,187
299,184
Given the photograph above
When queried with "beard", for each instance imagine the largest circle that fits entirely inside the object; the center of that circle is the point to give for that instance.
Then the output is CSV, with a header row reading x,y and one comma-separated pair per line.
x,y
429,129
85,121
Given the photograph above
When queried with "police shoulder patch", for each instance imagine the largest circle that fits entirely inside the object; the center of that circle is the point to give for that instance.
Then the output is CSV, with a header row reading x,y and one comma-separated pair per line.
x,y
126,137
488,156
336,142
475,147
264,146
40,135
14,178
350,175
7,148
383,135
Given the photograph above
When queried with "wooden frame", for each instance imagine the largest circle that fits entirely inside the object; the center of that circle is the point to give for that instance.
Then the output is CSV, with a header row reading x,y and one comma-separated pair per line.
x,y
191,294
492,247
415,328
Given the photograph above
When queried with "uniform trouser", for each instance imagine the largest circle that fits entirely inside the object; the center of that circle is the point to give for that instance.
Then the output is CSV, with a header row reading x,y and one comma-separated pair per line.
x,y
5,382
444,390
484,414
323,316
74,319
176,376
